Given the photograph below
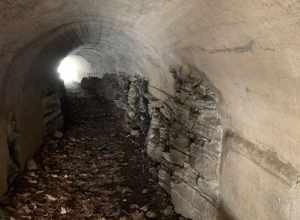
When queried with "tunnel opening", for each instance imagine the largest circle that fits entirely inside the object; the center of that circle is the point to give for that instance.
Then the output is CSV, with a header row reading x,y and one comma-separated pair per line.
x,y
73,68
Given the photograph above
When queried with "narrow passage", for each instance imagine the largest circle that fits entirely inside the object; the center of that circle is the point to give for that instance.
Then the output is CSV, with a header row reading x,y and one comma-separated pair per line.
x,y
95,170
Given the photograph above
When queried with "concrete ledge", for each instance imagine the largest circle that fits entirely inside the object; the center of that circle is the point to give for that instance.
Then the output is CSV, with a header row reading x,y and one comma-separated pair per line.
x,y
256,184
267,160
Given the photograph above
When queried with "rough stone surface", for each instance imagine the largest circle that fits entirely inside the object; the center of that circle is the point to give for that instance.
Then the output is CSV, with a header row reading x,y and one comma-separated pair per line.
x,y
52,111
112,86
128,92
138,113
185,137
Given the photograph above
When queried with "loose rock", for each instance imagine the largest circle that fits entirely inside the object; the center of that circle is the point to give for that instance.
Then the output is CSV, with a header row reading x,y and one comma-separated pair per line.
x,y
151,214
31,165
168,211
58,134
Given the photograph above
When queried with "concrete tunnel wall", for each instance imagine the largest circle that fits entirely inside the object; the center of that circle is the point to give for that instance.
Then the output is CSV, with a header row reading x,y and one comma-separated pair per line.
x,y
248,50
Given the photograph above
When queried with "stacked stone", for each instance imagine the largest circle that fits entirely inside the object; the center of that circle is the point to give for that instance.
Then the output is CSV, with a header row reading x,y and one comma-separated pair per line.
x,y
137,113
112,87
186,137
155,147
90,83
53,117
128,93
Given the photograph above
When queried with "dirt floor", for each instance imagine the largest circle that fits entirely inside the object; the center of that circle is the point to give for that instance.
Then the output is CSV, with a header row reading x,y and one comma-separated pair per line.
x,y
95,171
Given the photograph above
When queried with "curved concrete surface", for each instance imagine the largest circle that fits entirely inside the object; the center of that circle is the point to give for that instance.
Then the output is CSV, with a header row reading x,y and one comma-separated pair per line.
x,y
249,50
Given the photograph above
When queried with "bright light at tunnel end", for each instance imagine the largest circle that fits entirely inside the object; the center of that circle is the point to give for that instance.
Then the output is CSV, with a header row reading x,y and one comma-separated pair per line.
x,y
68,70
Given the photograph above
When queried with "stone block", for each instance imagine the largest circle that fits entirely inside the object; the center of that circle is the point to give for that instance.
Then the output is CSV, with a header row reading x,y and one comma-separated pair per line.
x,y
208,132
203,105
207,166
165,178
187,174
209,188
207,210
190,204
178,157
209,117
180,141
182,113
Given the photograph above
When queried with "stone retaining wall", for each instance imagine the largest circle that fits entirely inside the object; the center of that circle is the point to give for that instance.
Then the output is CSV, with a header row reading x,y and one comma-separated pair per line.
x,y
53,118
128,92
185,137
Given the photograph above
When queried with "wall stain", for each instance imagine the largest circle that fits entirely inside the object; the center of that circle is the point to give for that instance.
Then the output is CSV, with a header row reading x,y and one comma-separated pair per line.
x,y
238,49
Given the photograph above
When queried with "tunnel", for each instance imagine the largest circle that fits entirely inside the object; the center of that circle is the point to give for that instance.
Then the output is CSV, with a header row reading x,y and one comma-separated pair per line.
x,y
141,109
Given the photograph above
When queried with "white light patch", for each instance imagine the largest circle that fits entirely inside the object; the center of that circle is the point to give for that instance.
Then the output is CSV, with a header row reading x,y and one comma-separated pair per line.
x,y
69,70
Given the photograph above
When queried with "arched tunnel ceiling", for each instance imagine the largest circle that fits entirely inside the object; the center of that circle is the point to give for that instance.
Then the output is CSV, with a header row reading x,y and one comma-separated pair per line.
x,y
248,49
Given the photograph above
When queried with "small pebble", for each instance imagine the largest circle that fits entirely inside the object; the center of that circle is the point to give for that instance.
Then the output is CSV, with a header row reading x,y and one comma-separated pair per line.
x,y
134,206
31,165
58,134
145,191
151,214
168,211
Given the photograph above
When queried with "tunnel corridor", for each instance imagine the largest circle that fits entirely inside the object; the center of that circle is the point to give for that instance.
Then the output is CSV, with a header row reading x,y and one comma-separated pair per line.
x,y
95,170
143,109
